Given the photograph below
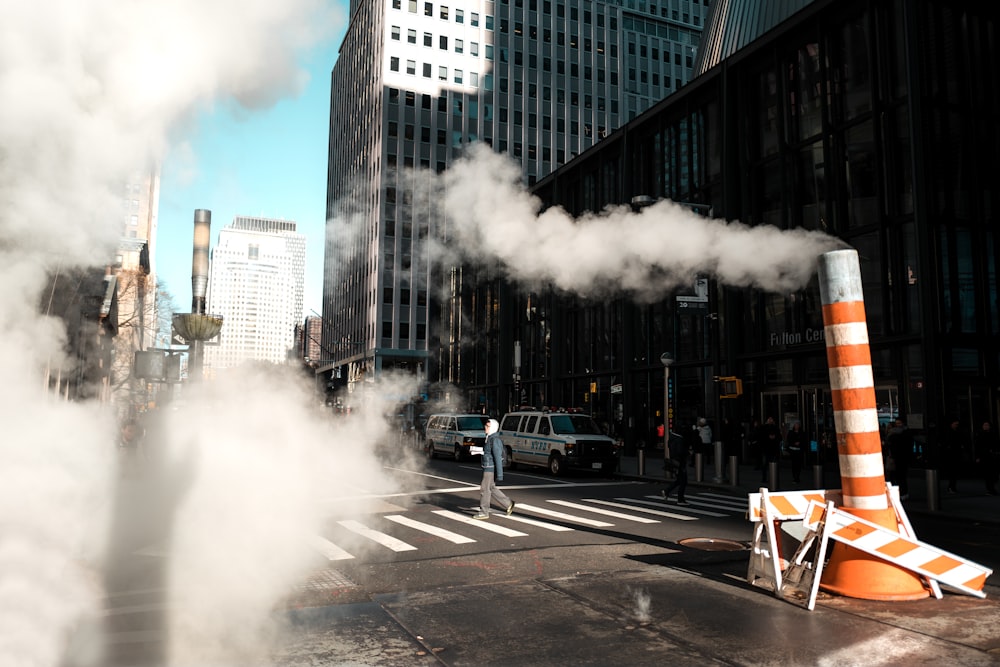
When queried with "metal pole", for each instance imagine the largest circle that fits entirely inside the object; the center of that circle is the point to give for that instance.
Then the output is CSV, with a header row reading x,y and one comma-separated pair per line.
x,y
699,467
818,476
641,460
666,410
933,490
734,470
719,477
772,476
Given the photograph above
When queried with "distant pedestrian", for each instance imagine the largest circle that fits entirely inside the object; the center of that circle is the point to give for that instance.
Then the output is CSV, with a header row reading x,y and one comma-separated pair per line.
x,y
492,473
987,451
129,443
705,436
954,444
753,443
900,443
677,457
732,437
796,442
770,444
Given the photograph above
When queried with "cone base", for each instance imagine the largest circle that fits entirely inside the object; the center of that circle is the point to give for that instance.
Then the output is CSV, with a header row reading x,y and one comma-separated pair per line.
x,y
853,573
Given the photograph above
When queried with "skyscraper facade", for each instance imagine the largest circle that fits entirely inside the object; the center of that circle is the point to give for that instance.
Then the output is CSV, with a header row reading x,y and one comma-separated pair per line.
x,y
256,284
418,82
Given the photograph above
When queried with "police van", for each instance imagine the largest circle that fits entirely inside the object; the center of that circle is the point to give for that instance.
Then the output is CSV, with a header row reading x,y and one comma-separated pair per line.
x,y
454,434
557,440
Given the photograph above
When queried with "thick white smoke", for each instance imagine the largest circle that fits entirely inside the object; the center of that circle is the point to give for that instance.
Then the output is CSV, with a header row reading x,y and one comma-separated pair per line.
x,y
491,216
92,91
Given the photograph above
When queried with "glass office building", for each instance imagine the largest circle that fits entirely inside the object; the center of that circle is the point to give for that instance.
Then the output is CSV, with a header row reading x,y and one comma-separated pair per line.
x,y
876,121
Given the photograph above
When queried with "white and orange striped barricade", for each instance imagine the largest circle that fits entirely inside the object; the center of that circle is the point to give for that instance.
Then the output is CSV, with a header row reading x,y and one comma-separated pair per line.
x,y
787,505
802,577
767,510
903,551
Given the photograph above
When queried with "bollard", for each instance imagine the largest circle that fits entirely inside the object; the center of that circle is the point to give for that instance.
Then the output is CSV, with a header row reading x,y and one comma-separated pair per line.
x,y
817,475
933,490
641,459
772,476
719,476
699,467
734,470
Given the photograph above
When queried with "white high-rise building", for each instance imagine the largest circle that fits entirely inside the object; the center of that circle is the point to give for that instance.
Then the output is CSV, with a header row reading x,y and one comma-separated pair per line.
x,y
418,81
256,283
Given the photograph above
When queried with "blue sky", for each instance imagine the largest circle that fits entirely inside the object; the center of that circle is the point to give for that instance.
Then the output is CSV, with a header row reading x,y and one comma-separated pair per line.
x,y
270,162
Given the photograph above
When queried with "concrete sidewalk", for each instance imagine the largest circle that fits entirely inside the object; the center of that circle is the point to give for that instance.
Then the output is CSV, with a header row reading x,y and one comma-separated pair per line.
x,y
971,503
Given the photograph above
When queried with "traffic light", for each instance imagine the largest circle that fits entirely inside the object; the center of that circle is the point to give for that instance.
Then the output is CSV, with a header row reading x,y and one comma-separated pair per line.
x,y
730,387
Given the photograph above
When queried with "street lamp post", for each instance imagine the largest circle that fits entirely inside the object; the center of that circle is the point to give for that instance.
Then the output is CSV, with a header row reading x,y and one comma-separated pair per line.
x,y
666,359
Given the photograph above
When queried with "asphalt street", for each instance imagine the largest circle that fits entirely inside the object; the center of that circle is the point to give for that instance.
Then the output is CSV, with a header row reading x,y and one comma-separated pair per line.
x,y
588,570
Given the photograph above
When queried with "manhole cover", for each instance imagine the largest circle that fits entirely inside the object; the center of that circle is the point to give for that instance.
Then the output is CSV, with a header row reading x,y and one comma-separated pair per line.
x,y
712,544
326,580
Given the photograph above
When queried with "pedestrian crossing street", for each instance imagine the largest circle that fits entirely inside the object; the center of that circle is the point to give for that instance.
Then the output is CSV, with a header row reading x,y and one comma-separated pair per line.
x,y
553,515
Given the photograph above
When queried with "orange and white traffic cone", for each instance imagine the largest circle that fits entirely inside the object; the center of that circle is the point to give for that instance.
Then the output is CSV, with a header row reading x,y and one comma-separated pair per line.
x,y
849,571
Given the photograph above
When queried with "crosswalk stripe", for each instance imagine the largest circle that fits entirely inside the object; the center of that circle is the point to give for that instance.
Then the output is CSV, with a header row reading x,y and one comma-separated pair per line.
x,y
485,525
725,502
541,524
330,550
617,515
376,536
645,510
681,509
565,517
455,538
742,502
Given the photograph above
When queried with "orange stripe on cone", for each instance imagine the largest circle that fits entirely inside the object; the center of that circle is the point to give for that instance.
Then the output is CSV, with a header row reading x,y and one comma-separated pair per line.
x,y
862,486
862,443
852,399
844,311
848,355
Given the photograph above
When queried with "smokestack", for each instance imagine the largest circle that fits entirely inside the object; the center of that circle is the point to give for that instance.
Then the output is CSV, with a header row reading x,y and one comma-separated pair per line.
x,y
199,261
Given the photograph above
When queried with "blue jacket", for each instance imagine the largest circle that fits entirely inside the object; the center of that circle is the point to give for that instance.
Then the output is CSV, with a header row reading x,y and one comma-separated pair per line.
x,y
493,455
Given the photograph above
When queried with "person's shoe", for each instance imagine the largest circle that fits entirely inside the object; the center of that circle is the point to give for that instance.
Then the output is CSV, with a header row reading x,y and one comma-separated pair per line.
x,y
510,508
683,502
481,516
663,493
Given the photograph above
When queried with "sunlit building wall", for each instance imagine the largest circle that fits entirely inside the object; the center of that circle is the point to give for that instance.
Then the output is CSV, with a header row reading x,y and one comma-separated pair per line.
x,y
256,283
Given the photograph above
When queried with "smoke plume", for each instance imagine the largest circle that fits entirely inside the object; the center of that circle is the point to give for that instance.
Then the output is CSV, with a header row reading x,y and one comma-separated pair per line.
x,y
92,91
490,216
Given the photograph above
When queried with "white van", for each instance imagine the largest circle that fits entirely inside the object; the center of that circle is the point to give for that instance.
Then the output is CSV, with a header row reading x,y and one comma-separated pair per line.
x,y
557,440
453,434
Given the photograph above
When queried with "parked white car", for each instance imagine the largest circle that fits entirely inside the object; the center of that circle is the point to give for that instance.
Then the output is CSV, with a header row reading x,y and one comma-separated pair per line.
x,y
455,435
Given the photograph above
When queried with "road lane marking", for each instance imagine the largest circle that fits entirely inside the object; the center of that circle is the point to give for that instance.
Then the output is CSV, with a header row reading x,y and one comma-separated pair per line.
x,y
617,515
329,549
564,517
682,517
535,522
376,536
443,533
486,525
661,503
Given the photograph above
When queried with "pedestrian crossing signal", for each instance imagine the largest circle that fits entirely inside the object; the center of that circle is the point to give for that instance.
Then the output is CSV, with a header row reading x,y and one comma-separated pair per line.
x,y
731,387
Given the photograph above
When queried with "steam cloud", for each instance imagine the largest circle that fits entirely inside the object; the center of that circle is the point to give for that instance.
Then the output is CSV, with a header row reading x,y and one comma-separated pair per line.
x,y
491,216
92,91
